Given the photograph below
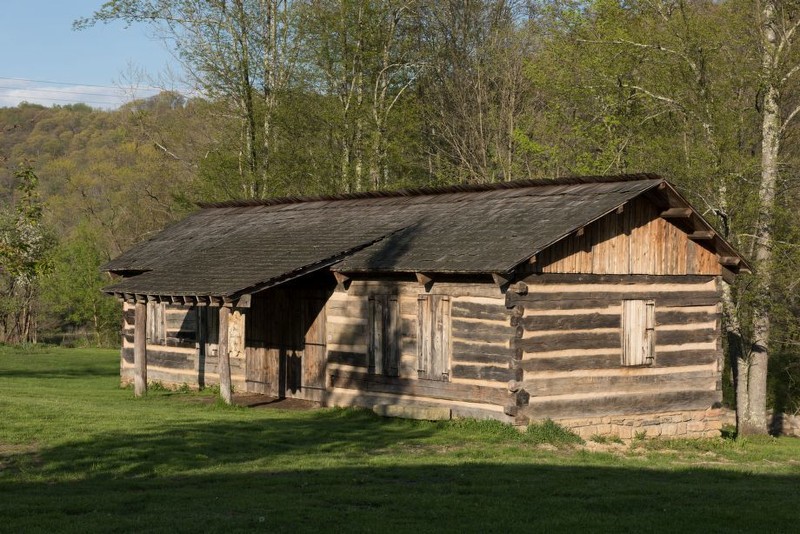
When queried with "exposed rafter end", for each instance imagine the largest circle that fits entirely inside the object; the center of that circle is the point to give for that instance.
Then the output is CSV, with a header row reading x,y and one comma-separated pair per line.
x,y
425,280
342,280
580,231
702,235
676,213
244,301
621,209
730,261
502,279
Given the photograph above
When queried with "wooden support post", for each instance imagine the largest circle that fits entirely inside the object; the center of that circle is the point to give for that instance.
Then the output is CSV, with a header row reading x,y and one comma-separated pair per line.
x,y
140,349
224,356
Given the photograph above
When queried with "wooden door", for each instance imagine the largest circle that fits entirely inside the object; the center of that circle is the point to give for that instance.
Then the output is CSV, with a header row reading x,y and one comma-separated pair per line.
x,y
314,347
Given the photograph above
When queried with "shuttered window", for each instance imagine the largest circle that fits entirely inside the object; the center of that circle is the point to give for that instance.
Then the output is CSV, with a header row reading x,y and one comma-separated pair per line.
x,y
384,338
638,332
433,337
155,323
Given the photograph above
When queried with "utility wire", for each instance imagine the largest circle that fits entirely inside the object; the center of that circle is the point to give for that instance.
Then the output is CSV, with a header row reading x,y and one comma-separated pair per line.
x,y
73,84
36,90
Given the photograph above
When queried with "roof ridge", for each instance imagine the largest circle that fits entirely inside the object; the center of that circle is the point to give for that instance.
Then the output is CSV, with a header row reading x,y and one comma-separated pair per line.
x,y
434,190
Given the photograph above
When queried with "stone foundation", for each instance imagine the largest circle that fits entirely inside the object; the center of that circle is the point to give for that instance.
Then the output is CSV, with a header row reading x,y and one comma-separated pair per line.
x,y
695,424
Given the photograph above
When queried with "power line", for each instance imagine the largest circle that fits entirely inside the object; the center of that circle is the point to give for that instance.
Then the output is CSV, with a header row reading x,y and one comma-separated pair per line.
x,y
34,89
72,83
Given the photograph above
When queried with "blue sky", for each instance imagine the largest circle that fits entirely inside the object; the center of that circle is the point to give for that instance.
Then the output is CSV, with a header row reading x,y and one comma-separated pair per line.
x,y
43,60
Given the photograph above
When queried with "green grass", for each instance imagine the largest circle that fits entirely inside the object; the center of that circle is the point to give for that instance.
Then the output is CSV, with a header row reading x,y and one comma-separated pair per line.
x,y
77,453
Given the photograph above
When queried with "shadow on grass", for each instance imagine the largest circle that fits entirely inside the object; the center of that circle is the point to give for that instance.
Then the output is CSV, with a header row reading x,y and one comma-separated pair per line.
x,y
83,373
339,471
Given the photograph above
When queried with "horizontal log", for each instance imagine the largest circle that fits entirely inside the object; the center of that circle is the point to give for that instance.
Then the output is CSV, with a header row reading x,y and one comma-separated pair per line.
x,y
485,332
172,360
356,359
538,323
477,357
466,347
347,334
616,384
477,372
590,300
421,388
178,342
570,341
681,337
186,322
572,363
689,357
476,310
613,360
622,279
352,307
641,403
684,316
129,316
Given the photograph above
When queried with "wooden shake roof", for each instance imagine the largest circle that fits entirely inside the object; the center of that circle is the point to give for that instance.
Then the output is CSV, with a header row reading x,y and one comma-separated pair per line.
x,y
232,248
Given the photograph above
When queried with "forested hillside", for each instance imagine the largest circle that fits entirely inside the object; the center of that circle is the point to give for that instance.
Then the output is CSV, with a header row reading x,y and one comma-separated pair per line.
x,y
322,96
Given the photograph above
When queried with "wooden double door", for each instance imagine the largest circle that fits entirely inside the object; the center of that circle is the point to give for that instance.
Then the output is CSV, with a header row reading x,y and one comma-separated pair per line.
x,y
285,347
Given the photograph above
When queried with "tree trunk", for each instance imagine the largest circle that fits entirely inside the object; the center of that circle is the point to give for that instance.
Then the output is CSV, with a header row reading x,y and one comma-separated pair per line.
x,y
751,396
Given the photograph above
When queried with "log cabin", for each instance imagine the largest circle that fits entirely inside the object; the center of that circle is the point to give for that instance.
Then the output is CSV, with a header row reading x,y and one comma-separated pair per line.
x,y
593,301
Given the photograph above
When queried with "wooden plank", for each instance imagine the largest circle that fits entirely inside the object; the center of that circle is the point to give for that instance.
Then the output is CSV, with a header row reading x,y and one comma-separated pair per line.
x,y
129,316
170,360
588,300
436,389
571,340
621,404
478,372
538,323
140,350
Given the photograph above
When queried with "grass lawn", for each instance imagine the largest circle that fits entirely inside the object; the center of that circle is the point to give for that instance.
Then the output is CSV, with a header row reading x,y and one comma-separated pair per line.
x,y
77,453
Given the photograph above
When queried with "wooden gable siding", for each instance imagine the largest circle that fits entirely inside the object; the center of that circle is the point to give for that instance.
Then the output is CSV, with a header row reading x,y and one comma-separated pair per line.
x,y
636,241
479,357
571,346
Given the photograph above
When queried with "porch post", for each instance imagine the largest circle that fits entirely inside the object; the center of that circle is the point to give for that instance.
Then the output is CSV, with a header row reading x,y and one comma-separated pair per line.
x,y
140,349
224,356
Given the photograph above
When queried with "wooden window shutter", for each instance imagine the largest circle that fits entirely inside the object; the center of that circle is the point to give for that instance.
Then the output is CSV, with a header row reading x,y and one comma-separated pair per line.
x,y
638,332
155,323
433,337
384,338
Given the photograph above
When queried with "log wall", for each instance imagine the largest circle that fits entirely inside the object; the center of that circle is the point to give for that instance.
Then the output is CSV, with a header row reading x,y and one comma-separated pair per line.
x,y
636,241
479,362
183,353
570,348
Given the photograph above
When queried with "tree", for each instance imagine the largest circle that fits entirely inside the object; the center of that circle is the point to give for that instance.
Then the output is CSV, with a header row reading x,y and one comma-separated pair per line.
x,y
24,248
240,52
